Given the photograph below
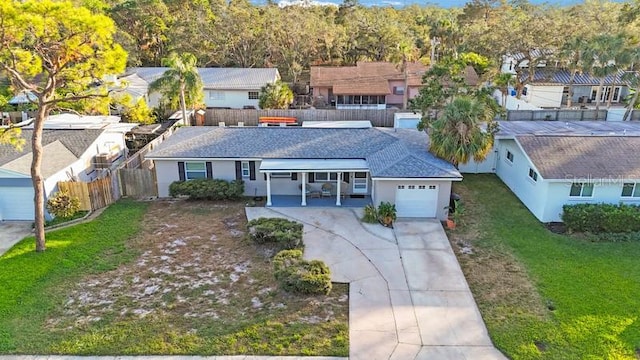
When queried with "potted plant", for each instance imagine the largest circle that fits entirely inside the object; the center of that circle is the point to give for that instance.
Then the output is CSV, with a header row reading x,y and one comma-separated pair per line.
x,y
455,216
387,213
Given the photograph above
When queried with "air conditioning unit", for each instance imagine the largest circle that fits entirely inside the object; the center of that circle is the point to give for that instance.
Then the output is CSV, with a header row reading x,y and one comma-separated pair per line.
x,y
103,161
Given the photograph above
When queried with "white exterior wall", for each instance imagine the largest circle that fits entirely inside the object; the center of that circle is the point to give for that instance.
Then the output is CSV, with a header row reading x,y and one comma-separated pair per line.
x,y
486,166
544,96
235,99
605,191
385,190
533,194
167,172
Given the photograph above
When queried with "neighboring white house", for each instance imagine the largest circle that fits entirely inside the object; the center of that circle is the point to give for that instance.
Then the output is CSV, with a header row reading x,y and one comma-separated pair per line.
x,y
291,166
549,163
75,148
234,88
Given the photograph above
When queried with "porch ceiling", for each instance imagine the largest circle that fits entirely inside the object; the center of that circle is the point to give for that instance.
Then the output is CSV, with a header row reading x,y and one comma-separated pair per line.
x,y
293,165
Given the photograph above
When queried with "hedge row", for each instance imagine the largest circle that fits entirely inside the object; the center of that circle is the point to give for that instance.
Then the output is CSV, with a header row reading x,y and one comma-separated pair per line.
x,y
301,276
601,218
284,233
208,189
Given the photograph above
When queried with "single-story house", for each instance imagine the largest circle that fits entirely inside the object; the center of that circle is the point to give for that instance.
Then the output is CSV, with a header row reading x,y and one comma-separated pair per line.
x,y
308,166
550,88
234,88
74,148
548,164
369,85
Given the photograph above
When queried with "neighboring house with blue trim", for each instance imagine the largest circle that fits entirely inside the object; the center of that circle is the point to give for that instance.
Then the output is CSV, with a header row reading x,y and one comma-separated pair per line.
x,y
290,166
548,164
74,148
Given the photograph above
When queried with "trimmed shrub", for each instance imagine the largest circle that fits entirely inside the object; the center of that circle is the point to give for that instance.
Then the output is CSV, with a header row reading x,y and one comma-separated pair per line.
x,y
601,218
284,233
370,214
63,205
295,274
208,189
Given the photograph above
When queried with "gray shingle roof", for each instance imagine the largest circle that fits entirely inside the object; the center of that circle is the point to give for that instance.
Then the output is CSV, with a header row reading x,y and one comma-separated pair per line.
x,y
76,141
388,154
584,157
220,78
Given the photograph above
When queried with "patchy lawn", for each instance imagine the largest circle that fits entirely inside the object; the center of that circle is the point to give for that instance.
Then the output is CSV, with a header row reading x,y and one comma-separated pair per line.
x,y
188,283
543,295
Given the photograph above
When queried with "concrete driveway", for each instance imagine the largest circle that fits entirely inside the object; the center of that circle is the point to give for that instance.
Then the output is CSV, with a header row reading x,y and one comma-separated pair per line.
x,y
408,298
11,232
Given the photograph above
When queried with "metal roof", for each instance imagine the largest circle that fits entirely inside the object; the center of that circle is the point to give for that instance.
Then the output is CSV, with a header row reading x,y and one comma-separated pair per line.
x,y
219,78
563,77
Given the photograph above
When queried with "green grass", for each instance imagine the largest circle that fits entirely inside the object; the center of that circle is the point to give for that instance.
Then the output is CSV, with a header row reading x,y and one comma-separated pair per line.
x,y
594,287
32,284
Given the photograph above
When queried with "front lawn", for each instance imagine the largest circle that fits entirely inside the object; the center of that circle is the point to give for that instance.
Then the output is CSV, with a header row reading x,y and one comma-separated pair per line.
x,y
542,295
174,277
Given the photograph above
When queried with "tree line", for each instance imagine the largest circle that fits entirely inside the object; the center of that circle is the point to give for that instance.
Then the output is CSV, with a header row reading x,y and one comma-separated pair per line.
x,y
238,33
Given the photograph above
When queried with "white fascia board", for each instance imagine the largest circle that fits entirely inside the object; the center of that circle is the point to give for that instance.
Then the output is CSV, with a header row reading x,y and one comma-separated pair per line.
x,y
418,179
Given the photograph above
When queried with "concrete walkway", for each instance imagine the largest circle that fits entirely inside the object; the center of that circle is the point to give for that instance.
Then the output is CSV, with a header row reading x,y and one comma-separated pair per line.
x,y
408,298
11,232
164,357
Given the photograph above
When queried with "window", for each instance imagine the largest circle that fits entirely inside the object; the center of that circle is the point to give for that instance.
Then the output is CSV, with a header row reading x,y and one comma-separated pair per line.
x,y
604,94
401,187
581,190
422,187
533,175
630,190
253,95
281,174
398,90
326,176
432,187
245,169
412,187
216,95
510,156
525,90
195,170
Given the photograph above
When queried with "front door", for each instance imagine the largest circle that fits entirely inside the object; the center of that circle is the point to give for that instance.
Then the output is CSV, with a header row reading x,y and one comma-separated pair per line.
x,y
360,183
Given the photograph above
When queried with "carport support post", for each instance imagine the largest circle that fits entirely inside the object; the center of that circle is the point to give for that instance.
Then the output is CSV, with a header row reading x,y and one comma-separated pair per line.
x,y
268,189
304,189
339,178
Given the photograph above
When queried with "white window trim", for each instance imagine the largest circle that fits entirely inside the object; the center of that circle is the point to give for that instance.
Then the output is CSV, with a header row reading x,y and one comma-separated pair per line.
x,y
256,93
578,197
533,178
328,173
203,171
506,157
631,197
246,172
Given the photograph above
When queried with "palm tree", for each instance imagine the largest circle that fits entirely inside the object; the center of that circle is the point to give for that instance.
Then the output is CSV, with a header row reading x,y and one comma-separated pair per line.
x,y
634,84
600,58
277,95
181,83
502,81
572,56
457,136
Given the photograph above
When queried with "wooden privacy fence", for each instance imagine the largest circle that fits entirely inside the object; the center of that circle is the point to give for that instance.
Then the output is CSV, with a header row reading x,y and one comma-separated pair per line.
x,y
380,118
92,195
138,183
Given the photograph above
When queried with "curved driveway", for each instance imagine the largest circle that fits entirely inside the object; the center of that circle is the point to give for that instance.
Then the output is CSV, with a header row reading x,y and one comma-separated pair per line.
x,y
408,298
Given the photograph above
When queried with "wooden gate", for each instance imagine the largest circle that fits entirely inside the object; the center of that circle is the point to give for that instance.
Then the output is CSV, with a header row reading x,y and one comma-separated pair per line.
x,y
92,195
138,183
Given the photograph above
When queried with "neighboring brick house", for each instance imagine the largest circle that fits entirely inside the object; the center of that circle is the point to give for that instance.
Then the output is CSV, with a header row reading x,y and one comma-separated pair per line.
x,y
369,85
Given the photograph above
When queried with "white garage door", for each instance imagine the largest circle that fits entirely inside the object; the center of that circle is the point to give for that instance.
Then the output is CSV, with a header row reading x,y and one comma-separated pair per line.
x,y
416,200
16,203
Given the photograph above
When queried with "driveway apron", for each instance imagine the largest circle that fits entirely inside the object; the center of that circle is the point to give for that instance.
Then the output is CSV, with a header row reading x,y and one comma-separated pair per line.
x,y
11,232
408,298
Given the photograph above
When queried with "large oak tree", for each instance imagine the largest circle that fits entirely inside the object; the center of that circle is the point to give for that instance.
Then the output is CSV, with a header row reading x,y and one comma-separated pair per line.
x,y
57,51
